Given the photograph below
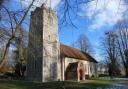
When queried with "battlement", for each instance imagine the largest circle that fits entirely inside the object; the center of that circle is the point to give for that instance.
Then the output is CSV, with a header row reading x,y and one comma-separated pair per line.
x,y
44,7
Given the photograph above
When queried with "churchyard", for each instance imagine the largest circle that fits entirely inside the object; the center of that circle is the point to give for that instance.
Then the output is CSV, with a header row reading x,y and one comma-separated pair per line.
x,y
40,47
88,84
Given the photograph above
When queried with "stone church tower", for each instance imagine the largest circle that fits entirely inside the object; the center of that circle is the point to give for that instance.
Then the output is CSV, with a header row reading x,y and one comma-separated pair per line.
x,y
43,49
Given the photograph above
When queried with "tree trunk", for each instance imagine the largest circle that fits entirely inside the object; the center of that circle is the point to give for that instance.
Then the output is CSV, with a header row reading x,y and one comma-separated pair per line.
x,y
126,72
5,52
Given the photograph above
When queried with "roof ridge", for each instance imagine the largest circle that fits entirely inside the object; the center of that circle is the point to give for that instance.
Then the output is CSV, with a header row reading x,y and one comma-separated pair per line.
x,y
75,53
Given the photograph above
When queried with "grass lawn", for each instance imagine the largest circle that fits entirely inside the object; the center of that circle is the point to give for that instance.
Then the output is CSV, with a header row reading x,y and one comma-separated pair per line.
x,y
88,84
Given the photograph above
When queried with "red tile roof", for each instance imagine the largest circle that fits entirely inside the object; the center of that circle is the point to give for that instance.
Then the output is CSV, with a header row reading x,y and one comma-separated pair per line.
x,y
75,53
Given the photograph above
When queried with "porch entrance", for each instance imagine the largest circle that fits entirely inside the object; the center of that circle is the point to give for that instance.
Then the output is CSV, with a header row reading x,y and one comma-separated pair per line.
x,y
75,71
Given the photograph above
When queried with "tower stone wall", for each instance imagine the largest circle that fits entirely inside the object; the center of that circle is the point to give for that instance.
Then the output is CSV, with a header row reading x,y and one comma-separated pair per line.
x,y
43,49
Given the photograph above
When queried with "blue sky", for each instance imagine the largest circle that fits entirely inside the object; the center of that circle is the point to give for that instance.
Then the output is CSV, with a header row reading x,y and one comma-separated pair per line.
x,y
93,20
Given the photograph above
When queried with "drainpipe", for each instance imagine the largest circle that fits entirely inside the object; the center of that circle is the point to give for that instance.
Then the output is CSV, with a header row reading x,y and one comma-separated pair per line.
x,y
88,69
64,70
61,68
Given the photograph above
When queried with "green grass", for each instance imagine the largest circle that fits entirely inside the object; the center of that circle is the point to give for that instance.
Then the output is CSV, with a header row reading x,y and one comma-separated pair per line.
x,y
99,83
18,84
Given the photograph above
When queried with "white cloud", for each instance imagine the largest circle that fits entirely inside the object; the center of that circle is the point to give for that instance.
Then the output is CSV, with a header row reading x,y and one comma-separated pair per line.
x,y
38,3
105,12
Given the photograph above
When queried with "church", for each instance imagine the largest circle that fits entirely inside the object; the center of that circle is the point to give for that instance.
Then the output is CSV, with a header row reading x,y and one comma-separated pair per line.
x,y
50,60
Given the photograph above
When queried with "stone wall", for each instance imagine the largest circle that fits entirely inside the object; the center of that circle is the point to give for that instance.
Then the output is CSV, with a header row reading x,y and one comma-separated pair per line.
x,y
43,57
51,47
90,67
35,46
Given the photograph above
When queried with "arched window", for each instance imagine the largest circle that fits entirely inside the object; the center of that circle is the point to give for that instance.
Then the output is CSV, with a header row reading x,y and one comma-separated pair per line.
x,y
48,37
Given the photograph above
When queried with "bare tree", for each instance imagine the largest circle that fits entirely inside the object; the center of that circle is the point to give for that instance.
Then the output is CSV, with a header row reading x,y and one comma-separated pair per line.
x,y
83,44
109,45
68,11
1,2
122,43
15,20
15,30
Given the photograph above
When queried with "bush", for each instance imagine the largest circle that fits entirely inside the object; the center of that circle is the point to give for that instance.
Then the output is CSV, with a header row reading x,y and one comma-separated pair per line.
x,y
103,75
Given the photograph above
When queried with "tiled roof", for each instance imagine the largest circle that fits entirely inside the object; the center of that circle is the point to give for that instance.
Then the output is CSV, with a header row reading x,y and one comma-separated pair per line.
x,y
75,53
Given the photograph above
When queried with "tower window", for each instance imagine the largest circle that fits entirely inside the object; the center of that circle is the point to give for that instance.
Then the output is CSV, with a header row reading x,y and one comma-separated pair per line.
x,y
49,37
51,20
